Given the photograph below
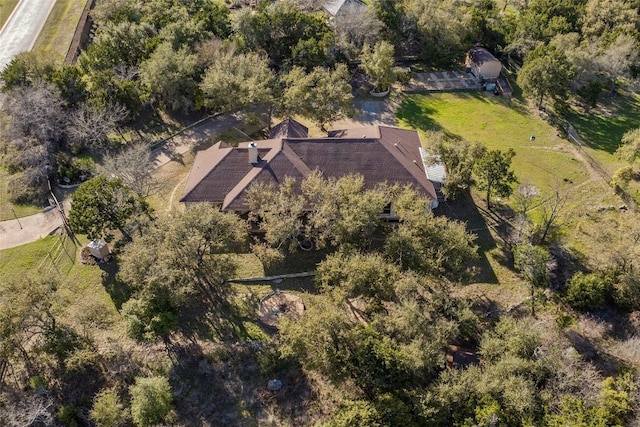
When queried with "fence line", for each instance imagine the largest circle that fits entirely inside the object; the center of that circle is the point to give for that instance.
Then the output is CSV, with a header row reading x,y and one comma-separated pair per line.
x,y
576,139
60,257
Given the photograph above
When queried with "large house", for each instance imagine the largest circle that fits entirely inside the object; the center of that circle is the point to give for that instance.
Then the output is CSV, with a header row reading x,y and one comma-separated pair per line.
x,y
222,174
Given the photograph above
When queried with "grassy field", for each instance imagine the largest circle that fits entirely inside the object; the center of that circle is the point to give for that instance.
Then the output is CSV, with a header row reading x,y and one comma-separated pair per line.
x,y
547,162
6,8
58,31
498,124
603,127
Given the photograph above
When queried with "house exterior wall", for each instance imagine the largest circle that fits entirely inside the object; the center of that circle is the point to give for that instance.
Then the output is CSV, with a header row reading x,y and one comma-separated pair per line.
x,y
489,70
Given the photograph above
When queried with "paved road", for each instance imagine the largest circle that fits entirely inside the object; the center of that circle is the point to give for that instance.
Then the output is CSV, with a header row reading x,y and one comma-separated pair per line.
x,y
21,30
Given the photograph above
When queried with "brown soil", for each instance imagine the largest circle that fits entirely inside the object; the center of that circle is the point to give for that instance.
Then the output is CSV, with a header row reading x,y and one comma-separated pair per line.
x,y
278,304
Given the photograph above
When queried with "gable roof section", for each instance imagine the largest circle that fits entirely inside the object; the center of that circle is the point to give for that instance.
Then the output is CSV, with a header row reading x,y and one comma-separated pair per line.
x,y
378,153
480,55
289,128
334,7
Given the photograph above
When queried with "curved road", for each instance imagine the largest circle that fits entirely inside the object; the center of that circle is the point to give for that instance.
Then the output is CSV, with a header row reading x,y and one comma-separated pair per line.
x,y
21,30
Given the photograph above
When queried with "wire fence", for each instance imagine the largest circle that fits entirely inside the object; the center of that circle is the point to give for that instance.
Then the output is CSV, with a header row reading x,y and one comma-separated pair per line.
x,y
574,137
61,256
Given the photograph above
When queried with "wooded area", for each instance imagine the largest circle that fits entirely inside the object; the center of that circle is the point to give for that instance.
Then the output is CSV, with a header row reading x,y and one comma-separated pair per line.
x,y
394,331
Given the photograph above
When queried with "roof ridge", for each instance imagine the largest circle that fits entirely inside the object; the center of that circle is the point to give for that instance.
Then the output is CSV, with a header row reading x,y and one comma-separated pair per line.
x,y
250,176
295,159
401,154
215,147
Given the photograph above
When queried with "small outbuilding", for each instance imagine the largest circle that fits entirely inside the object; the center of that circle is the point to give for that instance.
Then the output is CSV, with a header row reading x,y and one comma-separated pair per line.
x,y
99,249
482,64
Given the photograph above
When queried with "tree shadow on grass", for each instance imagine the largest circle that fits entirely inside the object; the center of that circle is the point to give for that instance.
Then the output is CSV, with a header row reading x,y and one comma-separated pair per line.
x,y
465,210
416,115
227,384
117,290
607,363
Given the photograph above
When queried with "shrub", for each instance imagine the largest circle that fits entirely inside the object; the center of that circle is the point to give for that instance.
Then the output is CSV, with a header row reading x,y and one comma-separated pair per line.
x,y
586,292
150,400
108,410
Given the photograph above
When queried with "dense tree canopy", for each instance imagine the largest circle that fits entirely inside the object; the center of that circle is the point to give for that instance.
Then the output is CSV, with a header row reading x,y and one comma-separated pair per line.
x,y
102,205
177,269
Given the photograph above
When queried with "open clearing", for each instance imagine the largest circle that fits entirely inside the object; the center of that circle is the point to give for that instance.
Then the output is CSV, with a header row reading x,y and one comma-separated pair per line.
x,y
498,124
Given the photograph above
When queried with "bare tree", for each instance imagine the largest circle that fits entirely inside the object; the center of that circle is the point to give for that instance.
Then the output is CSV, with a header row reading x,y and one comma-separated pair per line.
x,y
551,211
36,111
134,166
90,125
31,410
357,28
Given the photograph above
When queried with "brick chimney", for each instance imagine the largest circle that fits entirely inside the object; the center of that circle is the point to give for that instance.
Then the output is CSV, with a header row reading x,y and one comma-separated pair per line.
x,y
253,153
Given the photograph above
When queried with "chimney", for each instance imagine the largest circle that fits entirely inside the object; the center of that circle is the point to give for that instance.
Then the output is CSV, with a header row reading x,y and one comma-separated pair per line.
x,y
253,153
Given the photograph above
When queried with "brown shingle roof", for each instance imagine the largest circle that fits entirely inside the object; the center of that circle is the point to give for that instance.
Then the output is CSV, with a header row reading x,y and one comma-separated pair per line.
x,y
480,55
289,128
379,154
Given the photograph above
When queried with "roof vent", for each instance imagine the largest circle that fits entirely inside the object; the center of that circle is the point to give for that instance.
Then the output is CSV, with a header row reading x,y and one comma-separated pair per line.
x,y
253,153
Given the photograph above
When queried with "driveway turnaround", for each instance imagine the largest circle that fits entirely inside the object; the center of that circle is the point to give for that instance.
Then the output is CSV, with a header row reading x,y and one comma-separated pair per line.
x,y
21,30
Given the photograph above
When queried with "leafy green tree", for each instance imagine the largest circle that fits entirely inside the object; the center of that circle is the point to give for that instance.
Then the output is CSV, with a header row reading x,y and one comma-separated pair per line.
x,y
429,244
151,401
629,150
124,43
604,19
493,174
171,75
177,271
586,292
378,64
216,18
459,157
279,212
234,81
102,205
27,69
545,73
108,410
27,320
342,213
532,263
352,275
540,20
323,96
330,212
289,36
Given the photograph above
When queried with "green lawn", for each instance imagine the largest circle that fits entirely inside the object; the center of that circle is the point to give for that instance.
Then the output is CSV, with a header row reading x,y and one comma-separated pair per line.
x,y
58,31
604,126
6,8
498,124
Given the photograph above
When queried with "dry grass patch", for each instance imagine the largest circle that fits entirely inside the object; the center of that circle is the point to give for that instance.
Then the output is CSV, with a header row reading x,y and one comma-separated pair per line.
x,y
6,9
58,31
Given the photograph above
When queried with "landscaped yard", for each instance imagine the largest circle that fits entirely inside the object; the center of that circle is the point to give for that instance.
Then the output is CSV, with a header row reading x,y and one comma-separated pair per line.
x,y
58,31
498,124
